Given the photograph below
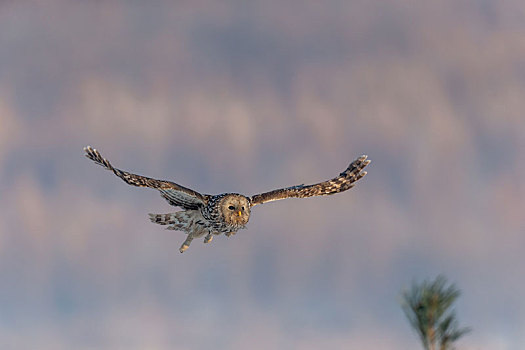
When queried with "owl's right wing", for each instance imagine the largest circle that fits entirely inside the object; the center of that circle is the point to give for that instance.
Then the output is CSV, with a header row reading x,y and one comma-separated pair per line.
x,y
175,194
343,182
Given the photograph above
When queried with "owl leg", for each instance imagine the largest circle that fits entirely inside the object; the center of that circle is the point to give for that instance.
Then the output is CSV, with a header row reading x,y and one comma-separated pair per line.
x,y
208,238
186,243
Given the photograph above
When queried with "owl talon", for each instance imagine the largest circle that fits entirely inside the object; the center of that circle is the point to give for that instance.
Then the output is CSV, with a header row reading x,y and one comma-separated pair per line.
x,y
208,238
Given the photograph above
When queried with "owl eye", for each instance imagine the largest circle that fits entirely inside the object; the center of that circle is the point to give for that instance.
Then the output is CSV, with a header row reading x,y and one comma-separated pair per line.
x,y
231,207
242,208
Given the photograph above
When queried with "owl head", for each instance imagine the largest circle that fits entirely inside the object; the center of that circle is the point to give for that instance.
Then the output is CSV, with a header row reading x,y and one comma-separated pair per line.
x,y
236,209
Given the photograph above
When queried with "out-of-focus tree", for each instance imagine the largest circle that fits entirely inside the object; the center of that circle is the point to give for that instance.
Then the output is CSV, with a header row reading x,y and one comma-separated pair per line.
x,y
427,306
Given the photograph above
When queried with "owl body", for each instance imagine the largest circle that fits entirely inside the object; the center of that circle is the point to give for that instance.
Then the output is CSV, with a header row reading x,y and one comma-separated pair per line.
x,y
209,215
224,213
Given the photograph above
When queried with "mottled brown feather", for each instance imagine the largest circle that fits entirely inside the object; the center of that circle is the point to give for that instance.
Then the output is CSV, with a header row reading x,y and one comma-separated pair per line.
x,y
175,194
343,182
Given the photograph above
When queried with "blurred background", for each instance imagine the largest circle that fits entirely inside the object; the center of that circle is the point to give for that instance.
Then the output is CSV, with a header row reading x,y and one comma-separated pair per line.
x,y
246,97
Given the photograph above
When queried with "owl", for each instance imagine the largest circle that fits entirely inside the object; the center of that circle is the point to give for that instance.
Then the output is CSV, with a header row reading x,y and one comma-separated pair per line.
x,y
205,215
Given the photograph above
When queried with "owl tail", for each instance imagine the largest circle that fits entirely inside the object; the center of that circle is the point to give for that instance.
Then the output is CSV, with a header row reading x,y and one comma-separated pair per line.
x,y
178,221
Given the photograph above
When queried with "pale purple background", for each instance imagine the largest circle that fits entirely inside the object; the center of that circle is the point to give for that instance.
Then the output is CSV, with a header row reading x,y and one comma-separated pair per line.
x,y
247,96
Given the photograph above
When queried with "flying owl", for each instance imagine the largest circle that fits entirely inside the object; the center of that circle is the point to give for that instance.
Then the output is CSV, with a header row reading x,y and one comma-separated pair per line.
x,y
210,215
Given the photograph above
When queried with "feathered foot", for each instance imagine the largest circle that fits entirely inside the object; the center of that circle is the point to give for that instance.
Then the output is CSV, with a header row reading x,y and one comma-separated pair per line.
x,y
208,238
186,244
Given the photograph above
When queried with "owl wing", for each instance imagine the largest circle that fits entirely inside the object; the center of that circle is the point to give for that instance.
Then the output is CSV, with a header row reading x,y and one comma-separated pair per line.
x,y
175,194
343,182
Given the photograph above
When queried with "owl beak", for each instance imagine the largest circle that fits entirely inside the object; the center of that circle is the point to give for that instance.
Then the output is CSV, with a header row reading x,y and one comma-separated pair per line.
x,y
240,213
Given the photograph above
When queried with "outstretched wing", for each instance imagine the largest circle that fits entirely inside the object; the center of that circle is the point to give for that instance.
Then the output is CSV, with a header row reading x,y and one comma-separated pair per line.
x,y
175,194
343,182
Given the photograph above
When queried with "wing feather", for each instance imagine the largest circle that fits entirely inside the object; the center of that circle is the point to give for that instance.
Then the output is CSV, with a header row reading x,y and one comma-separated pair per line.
x,y
175,194
343,182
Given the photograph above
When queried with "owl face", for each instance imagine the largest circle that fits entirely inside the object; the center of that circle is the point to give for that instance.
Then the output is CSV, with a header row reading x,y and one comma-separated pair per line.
x,y
236,209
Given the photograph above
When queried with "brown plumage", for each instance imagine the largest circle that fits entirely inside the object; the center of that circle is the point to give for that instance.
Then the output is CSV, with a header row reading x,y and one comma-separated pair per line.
x,y
209,215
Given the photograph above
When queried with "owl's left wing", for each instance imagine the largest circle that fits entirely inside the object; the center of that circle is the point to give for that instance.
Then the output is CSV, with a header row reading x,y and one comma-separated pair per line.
x,y
175,194
343,182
